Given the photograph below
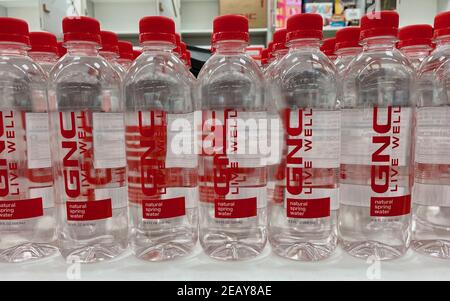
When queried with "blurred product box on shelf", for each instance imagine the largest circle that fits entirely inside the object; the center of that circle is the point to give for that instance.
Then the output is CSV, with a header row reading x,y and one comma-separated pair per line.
x,y
285,9
325,9
352,16
254,10
378,5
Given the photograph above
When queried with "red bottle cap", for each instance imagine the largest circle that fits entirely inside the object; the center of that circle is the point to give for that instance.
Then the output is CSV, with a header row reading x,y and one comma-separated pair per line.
x,y
381,23
279,39
178,42
328,46
61,49
136,53
14,30
348,37
230,27
81,29
264,56
43,42
125,50
420,34
157,28
304,26
270,50
110,42
442,24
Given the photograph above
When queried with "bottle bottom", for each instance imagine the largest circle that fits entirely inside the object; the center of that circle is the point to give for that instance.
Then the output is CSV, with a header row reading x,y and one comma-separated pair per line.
x,y
233,244
304,240
364,236
431,231
105,248
163,239
97,240
28,252
373,249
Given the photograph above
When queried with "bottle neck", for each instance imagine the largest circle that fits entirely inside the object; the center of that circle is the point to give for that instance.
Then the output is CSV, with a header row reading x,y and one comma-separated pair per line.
x,y
443,41
82,48
13,49
383,43
348,52
230,47
157,46
280,53
312,45
110,56
48,57
416,51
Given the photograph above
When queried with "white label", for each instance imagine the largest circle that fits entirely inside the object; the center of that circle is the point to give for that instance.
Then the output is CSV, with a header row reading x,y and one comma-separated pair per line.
x,y
180,141
246,135
46,193
320,137
118,196
359,195
190,195
38,140
433,135
357,133
318,193
109,140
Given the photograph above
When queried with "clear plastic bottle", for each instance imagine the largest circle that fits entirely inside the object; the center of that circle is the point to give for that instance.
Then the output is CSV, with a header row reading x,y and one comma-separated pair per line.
x,y
415,42
347,47
125,54
44,49
88,147
303,211
232,175
431,195
376,154
162,170
110,50
328,47
27,213
276,131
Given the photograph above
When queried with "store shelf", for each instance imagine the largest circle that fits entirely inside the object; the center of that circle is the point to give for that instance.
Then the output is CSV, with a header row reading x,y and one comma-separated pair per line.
x,y
266,267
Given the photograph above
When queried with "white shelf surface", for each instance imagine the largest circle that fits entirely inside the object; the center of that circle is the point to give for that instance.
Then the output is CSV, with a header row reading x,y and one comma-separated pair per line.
x,y
268,266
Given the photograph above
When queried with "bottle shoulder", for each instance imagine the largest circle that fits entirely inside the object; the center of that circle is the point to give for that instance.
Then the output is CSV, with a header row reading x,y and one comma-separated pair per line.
x,y
382,63
224,67
88,69
309,65
162,67
436,64
22,67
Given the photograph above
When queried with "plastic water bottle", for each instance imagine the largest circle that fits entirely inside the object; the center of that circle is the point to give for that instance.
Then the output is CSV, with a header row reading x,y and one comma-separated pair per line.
x,y
44,49
27,214
431,228
376,163
88,147
276,131
162,163
136,53
303,211
232,171
110,50
347,46
125,54
328,47
415,41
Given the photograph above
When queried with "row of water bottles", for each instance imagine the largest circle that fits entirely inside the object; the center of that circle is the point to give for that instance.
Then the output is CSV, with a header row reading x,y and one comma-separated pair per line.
x,y
97,155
